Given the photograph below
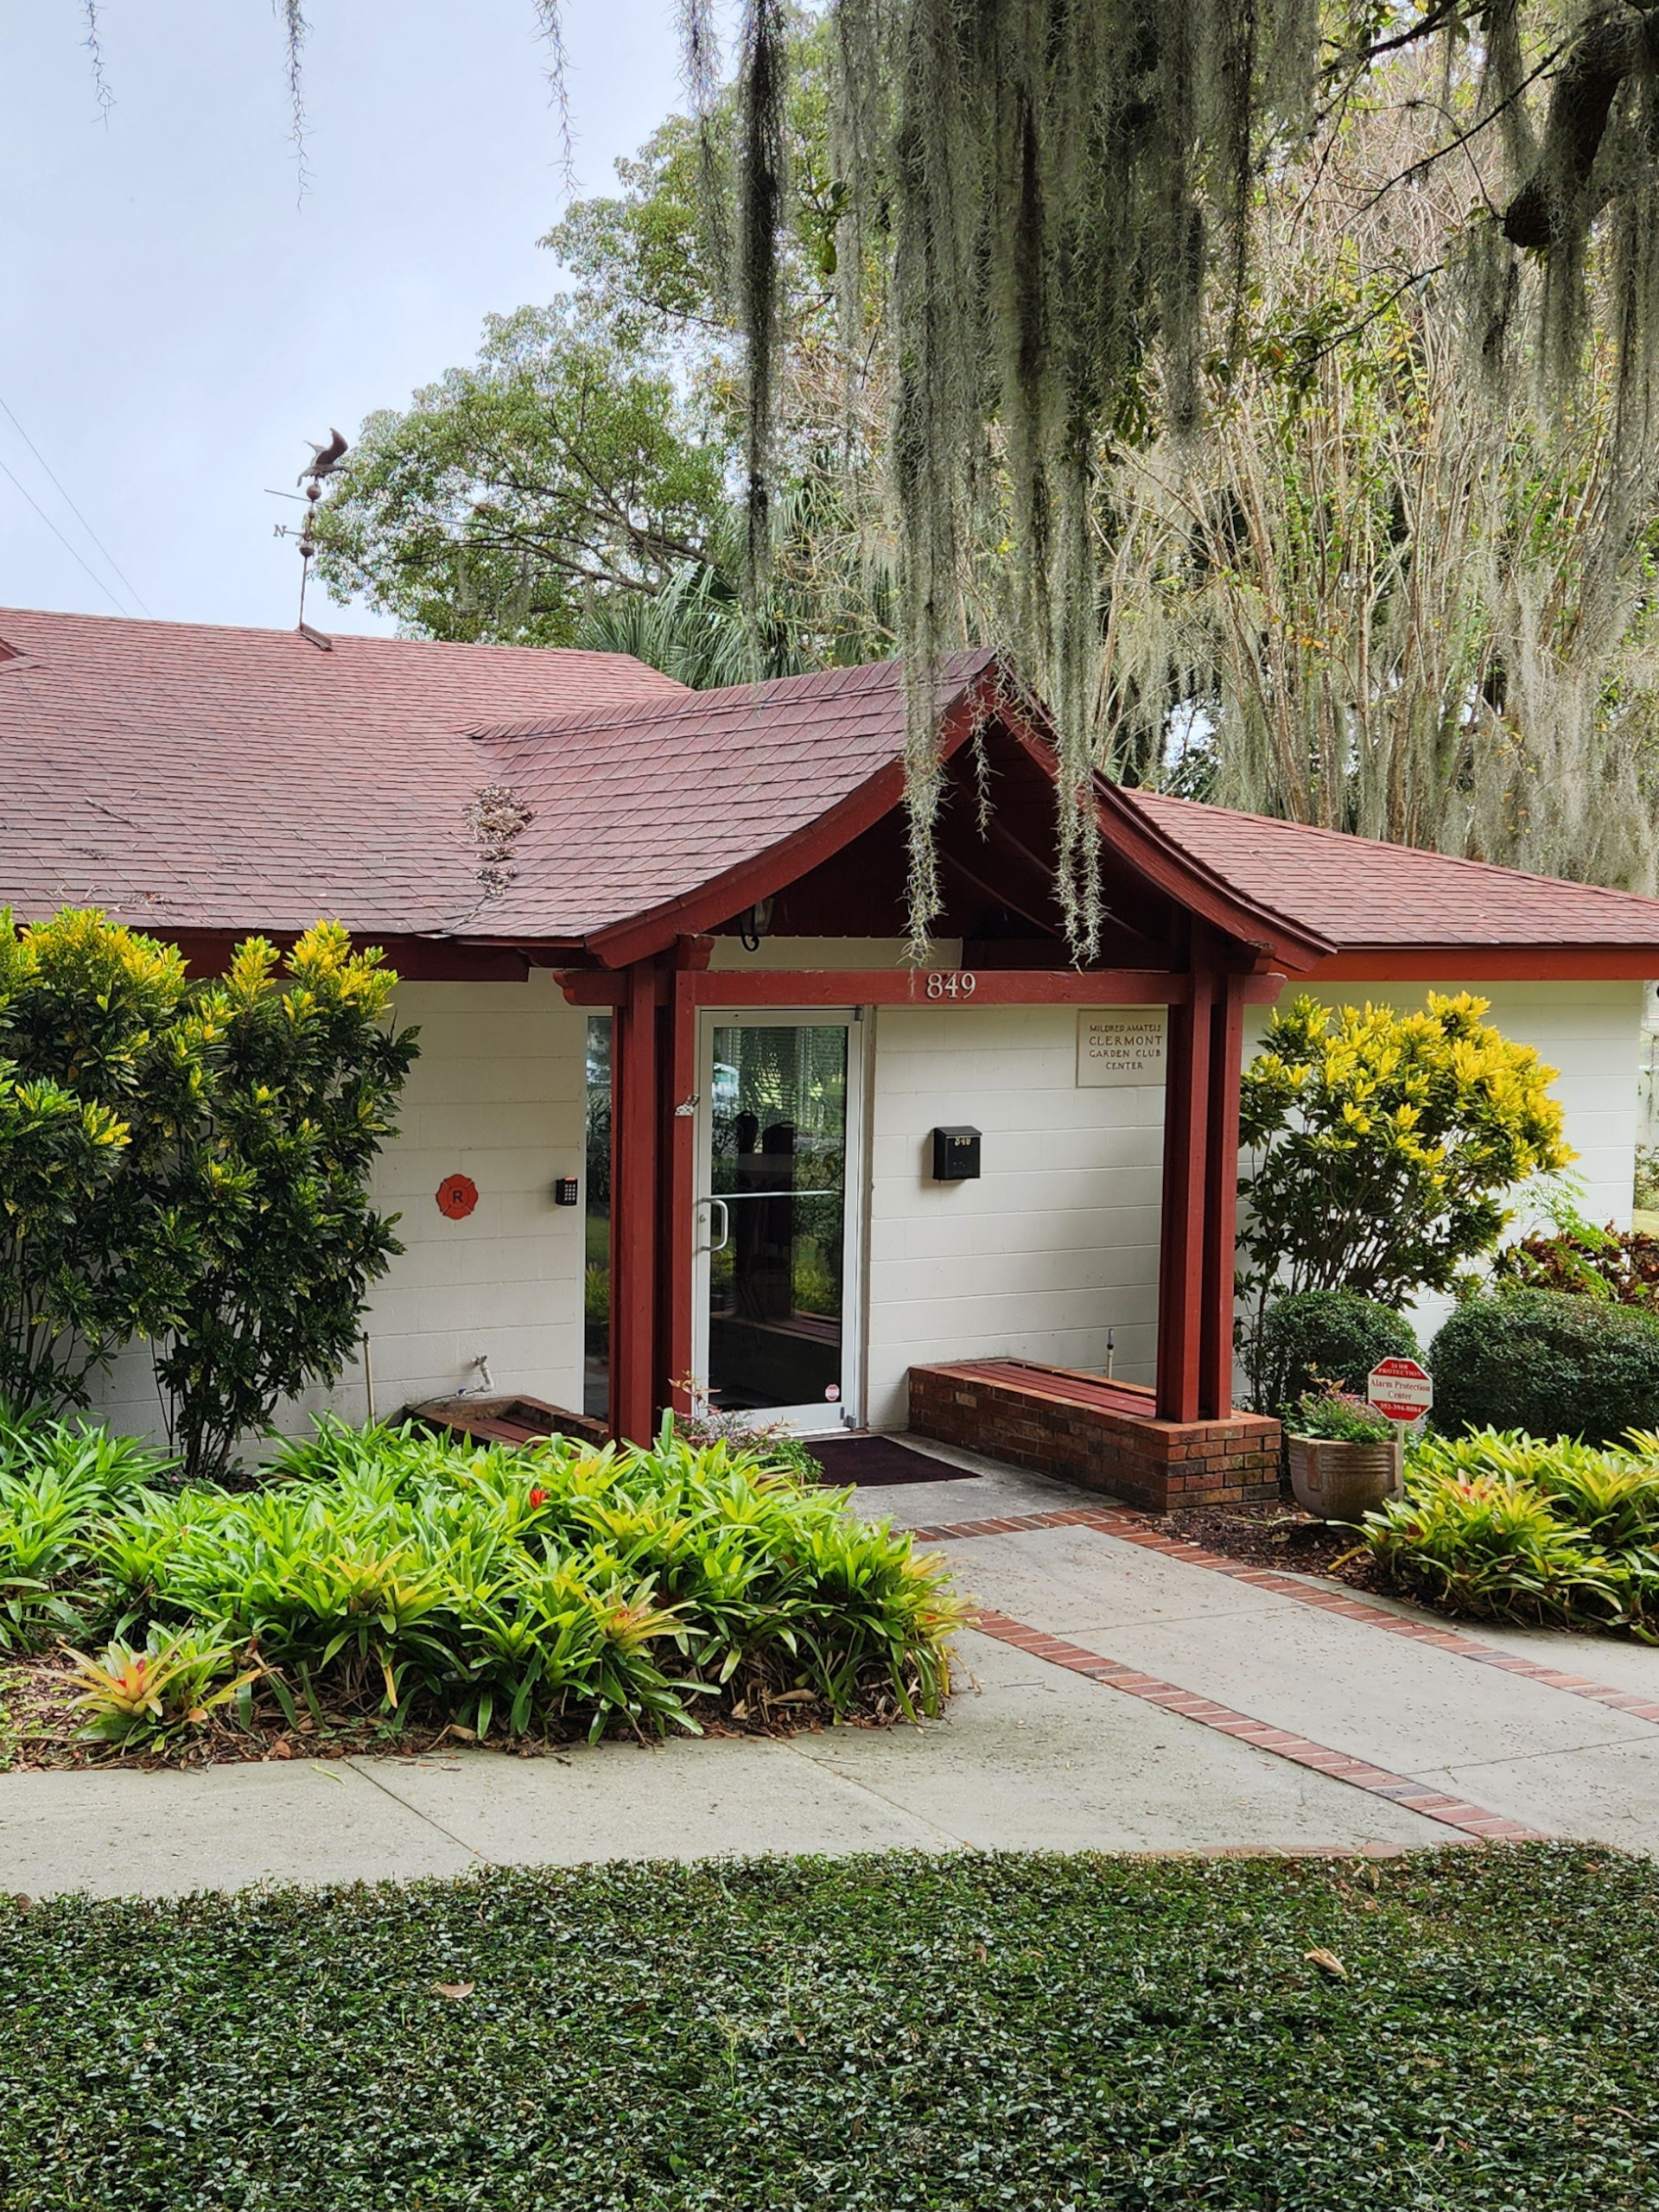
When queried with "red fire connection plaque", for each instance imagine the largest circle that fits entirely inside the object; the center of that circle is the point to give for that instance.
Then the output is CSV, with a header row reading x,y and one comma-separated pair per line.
x,y
457,1196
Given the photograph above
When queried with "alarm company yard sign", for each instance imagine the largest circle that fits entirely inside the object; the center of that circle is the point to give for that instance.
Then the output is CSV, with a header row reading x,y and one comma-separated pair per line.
x,y
1401,1389
1122,1044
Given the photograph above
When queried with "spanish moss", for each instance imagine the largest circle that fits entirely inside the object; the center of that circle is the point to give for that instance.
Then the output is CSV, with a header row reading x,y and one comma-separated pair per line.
x,y
1072,198
760,215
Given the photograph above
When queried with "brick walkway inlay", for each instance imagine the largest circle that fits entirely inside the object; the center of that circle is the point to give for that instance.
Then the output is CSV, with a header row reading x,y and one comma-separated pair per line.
x,y
1398,1789
1131,1529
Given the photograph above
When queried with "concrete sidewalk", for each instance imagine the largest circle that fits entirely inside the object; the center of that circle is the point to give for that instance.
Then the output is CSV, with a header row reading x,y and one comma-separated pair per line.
x,y
1032,1755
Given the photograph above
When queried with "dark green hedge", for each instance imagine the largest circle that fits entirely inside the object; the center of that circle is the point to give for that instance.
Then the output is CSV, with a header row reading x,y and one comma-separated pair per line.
x,y
967,2033
1326,1336
1547,1362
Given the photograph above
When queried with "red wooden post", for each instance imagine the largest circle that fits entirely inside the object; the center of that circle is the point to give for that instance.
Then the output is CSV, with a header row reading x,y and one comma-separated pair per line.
x,y
633,1206
1180,1252
679,1212
1221,1200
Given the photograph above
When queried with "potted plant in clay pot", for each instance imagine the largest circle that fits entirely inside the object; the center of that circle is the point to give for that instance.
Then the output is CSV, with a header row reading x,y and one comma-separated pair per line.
x,y
1345,1456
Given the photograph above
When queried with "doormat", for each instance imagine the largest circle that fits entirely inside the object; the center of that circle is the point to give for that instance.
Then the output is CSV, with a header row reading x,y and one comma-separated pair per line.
x,y
872,1460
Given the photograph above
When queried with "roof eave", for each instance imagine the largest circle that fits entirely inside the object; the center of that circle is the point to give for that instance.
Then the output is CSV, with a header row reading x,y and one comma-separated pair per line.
x,y
1497,961
1275,938
763,876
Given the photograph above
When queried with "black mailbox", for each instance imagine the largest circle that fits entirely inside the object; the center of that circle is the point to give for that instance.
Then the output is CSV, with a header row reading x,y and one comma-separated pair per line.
x,y
956,1156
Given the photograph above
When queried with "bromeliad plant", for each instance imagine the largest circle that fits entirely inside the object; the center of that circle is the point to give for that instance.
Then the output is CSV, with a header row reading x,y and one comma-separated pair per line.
x,y
59,1484
144,1696
1509,1526
386,1572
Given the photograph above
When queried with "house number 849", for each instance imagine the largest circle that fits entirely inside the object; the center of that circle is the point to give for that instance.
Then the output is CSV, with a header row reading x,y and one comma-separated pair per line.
x,y
952,983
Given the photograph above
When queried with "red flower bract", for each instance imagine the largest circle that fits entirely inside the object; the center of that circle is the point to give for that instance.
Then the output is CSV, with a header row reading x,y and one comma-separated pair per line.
x,y
538,1498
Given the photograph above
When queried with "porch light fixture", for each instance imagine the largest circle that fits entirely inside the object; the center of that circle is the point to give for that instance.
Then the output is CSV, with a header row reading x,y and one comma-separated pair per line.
x,y
755,923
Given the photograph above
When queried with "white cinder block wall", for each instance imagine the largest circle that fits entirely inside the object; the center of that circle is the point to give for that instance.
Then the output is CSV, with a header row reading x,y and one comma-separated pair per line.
x,y
1590,1033
1055,1242
498,1093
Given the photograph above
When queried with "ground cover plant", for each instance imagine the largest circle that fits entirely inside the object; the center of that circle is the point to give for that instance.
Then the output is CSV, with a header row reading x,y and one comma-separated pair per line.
x,y
392,1579
1507,1525
1471,2029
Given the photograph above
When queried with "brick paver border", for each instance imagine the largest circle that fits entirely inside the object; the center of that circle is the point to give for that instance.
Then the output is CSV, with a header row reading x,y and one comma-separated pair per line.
x,y
1131,1529
1301,1751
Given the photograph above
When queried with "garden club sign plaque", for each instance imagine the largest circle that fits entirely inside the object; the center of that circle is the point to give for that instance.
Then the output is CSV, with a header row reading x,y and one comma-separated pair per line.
x,y
1122,1044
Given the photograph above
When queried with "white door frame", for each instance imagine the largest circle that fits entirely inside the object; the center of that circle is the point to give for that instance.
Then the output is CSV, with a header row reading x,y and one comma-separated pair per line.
x,y
848,1411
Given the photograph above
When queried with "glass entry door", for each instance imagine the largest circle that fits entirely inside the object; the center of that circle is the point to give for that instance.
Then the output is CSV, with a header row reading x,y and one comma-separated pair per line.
x,y
774,1302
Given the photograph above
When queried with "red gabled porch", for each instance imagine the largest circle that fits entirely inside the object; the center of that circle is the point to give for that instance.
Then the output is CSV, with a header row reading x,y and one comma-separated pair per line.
x,y
1174,937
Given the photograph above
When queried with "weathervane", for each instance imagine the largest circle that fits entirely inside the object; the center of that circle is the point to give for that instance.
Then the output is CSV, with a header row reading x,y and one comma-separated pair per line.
x,y
325,460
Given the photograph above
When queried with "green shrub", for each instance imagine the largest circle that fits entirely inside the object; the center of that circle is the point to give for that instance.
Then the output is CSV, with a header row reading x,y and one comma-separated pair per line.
x,y
1313,1337
190,1162
1549,1362
98,1062
1381,1146
303,1075
385,1571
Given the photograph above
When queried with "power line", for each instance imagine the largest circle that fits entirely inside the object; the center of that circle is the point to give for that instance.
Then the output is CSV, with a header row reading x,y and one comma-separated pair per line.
x,y
64,542
70,504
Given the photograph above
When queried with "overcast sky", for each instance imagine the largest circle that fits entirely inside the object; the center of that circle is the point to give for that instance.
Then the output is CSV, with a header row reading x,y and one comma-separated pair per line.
x,y
178,325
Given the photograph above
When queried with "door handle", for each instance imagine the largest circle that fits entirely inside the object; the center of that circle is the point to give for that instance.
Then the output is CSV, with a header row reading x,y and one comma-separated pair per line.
x,y
725,1225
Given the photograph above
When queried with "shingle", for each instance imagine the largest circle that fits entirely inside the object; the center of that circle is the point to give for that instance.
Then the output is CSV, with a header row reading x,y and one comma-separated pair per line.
x,y
1366,896
186,777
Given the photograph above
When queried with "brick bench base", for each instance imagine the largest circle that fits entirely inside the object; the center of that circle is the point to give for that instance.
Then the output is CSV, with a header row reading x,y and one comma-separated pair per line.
x,y
1098,1433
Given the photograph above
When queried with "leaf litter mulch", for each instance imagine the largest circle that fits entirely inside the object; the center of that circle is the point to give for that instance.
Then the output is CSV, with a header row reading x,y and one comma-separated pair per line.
x,y
1276,1534
40,1727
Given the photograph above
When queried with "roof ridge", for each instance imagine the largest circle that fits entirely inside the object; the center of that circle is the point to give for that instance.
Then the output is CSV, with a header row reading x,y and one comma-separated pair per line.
x,y
377,640
722,698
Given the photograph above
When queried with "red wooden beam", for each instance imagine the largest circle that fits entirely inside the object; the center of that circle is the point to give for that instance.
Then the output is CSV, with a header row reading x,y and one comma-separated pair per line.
x,y
1180,1246
633,1206
1502,963
943,987
805,987
1221,1201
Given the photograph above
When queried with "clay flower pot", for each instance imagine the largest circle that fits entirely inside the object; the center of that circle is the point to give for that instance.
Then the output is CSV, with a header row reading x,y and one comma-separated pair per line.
x,y
1342,1482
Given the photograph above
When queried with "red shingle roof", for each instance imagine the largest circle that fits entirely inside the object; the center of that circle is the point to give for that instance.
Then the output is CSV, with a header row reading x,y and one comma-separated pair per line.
x,y
193,778
188,778
1364,895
